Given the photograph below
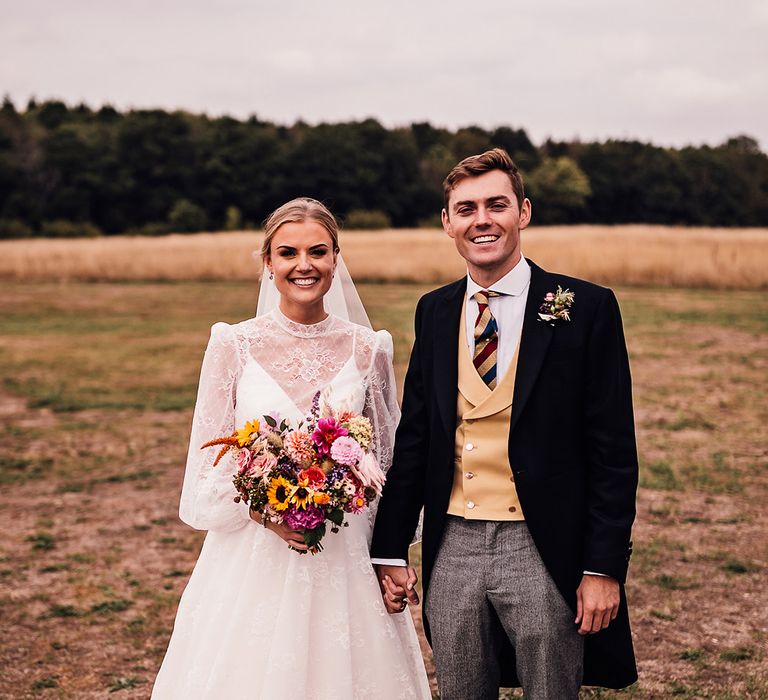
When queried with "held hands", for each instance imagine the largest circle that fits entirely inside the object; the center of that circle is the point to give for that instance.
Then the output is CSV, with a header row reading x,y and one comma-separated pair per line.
x,y
397,584
294,538
597,603
369,472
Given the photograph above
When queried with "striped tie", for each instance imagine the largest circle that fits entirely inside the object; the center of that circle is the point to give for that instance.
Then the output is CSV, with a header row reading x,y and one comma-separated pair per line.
x,y
486,339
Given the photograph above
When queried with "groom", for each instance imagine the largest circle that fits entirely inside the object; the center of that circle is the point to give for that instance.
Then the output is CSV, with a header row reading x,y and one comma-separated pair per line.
x,y
517,439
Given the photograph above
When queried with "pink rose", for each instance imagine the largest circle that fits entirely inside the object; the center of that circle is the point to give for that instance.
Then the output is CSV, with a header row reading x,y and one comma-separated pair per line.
x,y
263,464
243,460
549,296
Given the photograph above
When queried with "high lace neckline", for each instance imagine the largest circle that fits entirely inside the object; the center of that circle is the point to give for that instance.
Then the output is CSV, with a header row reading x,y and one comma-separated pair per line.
x,y
302,330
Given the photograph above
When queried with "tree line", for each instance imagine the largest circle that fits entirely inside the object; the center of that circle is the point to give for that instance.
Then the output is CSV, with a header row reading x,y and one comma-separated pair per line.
x,y
73,170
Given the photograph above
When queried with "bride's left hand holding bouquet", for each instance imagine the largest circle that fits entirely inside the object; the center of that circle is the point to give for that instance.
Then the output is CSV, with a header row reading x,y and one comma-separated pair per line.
x,y
307,474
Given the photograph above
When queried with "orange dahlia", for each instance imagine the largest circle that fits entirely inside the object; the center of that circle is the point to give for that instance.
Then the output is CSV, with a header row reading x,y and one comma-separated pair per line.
x,y
299,447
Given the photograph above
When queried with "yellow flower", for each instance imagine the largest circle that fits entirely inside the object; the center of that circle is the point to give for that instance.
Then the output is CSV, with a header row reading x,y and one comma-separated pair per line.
x,y
247,433
279,493
301,495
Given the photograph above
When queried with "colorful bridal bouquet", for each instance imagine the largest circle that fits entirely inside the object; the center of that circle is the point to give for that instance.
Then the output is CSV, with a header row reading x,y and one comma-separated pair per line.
x,y
305,475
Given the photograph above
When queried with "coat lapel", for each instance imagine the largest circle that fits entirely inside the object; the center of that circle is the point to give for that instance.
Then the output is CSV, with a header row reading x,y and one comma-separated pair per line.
x,y
534,342
446,355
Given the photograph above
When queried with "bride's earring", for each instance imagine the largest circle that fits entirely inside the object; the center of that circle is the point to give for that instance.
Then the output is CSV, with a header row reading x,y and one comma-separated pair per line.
x,y
271,275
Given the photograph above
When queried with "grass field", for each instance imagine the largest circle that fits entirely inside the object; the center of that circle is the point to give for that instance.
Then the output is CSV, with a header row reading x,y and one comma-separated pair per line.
x,y
615,255
97,384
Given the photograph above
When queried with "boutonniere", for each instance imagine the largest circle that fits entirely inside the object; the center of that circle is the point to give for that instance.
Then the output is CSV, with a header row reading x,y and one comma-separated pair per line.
x,y
556,306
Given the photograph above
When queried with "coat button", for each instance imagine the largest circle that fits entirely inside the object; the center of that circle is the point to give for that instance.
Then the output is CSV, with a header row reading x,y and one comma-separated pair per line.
x,y
470,504
470,446
470,475
512,509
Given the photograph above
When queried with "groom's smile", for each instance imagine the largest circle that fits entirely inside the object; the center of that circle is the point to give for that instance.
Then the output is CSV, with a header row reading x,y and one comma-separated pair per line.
x,y
481,240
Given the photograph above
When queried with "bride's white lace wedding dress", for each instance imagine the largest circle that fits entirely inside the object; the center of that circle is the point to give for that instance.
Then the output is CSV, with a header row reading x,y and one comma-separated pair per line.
x,y
258,621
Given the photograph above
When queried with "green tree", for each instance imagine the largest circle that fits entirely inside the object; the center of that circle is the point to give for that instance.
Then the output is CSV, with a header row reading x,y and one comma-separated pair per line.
x,y
233,220
187,217
371,219
559,190
125,171
52,114
518,145
8,106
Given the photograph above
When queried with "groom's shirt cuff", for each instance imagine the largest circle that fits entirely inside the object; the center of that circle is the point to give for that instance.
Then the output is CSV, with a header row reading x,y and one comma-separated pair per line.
x,y
390,562
595,573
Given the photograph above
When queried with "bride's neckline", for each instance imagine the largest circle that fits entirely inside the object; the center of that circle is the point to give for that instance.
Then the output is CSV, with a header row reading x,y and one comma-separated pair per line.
x,y
302,330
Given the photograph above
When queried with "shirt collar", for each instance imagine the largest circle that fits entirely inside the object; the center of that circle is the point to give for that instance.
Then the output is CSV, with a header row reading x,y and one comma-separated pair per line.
x,y
513,284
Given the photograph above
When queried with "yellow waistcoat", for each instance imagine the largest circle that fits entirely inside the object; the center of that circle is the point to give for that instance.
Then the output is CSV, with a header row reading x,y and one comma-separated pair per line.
x,y
483,484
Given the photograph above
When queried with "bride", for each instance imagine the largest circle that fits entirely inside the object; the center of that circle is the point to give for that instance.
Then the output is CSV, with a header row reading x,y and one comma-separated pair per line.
x,y
258,620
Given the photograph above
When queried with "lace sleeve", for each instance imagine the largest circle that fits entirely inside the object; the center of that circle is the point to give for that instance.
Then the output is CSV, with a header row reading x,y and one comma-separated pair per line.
x,y
207,495
381,404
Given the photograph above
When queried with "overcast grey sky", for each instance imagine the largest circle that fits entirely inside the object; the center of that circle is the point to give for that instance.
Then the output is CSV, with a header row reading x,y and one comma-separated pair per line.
x,y
668,71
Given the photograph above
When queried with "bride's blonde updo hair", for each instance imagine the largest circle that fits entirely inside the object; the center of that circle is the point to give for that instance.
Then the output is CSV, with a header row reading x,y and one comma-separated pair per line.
x,y
296,211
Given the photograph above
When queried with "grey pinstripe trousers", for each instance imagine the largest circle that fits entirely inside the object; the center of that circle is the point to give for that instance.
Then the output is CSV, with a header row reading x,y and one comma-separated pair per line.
x,y
489,580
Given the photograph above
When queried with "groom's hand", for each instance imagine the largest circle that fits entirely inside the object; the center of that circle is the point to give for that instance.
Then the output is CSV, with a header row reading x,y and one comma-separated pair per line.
x,y
597,603
398,585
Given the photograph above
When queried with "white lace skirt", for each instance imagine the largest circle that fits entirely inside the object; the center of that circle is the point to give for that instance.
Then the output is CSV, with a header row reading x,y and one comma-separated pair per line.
x,y
260,622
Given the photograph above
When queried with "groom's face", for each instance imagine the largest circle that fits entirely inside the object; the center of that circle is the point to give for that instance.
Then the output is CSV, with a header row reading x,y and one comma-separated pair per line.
x,y
484,220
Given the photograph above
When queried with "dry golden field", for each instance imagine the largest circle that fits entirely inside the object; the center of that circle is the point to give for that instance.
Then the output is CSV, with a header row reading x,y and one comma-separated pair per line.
x,y
636,255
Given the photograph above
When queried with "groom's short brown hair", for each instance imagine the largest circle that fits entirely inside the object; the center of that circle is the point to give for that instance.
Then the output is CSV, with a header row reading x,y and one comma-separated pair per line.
x,y
495,159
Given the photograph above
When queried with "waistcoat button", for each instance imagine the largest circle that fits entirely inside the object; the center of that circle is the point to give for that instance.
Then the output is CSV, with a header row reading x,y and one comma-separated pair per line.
x,y
470,475
470,446
470,504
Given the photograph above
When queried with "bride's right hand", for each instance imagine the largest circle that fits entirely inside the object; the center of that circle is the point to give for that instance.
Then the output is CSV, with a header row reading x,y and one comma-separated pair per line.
x,y
294,538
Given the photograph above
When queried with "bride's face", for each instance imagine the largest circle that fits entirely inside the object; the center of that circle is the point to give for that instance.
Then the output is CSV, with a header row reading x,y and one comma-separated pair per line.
x,y
302,259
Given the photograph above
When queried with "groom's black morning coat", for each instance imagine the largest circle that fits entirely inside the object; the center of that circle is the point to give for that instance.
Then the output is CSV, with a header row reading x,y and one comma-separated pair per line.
x,y
571,447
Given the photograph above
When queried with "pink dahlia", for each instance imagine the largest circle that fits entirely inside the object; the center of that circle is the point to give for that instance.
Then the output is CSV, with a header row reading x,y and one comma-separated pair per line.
x,y
309,518
299,447
346,451
327,430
